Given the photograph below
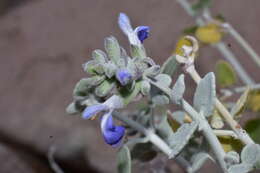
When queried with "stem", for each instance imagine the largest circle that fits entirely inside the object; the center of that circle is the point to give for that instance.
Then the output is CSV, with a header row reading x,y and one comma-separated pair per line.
x,y
241,134
225,133
153,138
243,44
220,46
203,124
242,89
208,133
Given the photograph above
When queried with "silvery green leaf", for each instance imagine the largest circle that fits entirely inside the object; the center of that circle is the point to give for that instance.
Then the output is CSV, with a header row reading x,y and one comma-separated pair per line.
x,y
152,71
178,90
170,66
113,49
240,168
131,66
93,67
145,87
164,129
232,158
138,51
86,83
164,79
179,139
239,107
110,69
71,108
251,155
160,100
205,95
99,56
199,159
124,160
104,88
148,61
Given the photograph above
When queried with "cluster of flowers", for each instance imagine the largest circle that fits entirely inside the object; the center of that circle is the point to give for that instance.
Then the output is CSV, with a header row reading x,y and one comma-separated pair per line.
x,y
110,73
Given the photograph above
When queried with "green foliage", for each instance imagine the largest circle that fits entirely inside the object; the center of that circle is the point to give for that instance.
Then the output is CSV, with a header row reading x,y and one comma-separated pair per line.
x,y
225,74
253,129
254,101
230,144
190,30
170,66
124,160
201,4
178,90
143,152
113,49
240,105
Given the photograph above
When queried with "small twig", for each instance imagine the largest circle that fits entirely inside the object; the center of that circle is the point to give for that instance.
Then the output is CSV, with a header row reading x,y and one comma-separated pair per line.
x,y
53,164
225,133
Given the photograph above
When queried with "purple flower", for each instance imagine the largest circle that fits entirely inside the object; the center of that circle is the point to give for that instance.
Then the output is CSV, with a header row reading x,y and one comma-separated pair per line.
x,y
135,37
123,76
142,32
111,133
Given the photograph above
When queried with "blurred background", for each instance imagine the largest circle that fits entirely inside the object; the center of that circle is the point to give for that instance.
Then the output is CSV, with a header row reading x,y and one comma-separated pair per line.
x,y
42,46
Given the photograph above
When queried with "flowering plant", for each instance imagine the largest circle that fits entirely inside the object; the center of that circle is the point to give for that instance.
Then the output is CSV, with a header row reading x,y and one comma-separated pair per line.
x,y
191,135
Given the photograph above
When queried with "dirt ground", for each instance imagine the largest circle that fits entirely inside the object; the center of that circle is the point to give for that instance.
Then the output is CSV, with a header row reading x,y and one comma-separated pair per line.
x,y
42,46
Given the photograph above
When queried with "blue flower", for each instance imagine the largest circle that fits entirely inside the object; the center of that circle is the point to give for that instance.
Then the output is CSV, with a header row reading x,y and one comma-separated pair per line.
x,y
123,76
135,37
111,133
142,32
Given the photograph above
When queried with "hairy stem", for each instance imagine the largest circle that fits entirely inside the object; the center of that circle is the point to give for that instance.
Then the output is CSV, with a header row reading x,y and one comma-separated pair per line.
x,y
241,134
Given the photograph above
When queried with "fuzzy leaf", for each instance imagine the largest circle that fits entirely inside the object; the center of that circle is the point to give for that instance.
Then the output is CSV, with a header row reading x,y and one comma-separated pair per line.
x,y
93,67
129,95
252,127
164,129
170,66
138,52
232,158
251,155
178,90
84,84
152,71
205,95
99,56
145,87
239,107
113,49
110,69
225,74
124,160
164,79
240,168
160,100
74,108
179,139
104,88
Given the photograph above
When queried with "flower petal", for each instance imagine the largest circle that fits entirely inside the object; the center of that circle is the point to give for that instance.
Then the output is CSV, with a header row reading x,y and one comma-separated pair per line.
x,y
142,32
90,111
123,76
111,133
124,23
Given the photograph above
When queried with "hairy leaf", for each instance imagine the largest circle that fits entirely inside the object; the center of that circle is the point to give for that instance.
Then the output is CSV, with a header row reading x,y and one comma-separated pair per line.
x,y
113,49
164,79
104,88
225,74
178,90
124,160
240,168
251,155
179,139
205,95
170,66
